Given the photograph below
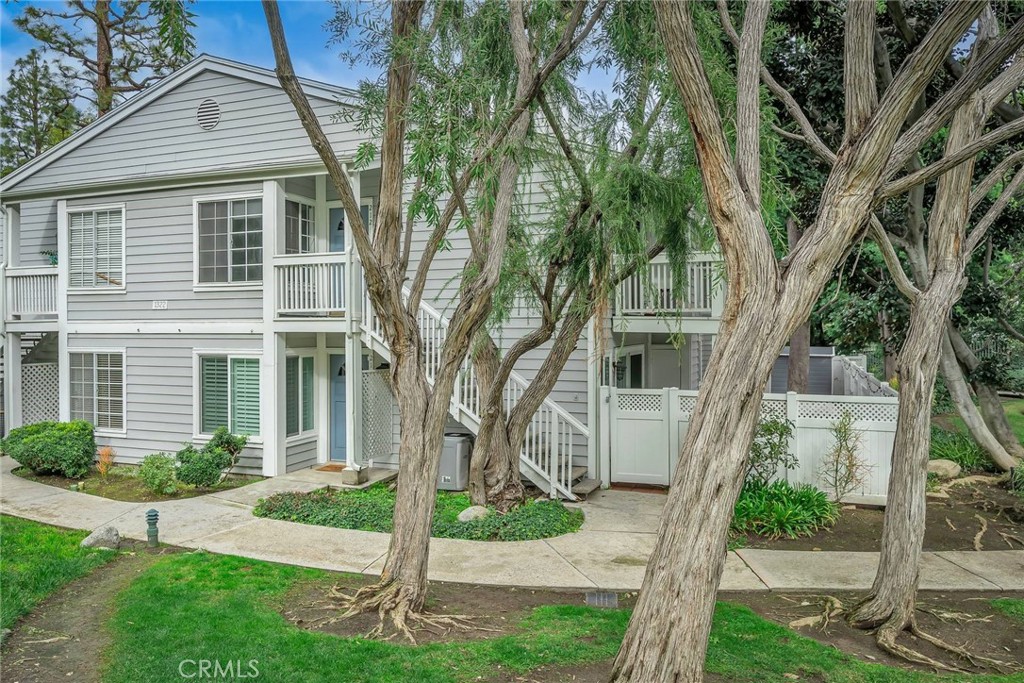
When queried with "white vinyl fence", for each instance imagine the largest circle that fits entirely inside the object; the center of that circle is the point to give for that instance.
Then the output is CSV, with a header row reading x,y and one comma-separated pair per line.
x,y
643,430
851,379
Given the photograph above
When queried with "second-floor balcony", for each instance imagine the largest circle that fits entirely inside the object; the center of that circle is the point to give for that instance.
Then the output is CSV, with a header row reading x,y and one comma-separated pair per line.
x,y
654,293
31,292
308,285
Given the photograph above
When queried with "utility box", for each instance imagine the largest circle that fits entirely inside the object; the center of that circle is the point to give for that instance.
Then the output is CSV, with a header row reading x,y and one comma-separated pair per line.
x,y
454,472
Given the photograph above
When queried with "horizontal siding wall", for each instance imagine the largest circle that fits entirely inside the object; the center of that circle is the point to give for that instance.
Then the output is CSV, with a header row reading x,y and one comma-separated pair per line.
x,y
160,406
159,248
258,125
38,232
299,456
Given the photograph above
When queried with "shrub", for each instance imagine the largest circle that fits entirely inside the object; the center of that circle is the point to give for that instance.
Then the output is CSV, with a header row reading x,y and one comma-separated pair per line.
x,y
65,448
105,460
780,509
230,443
769,451
157,473
960,448
1017,480
201,468
843,471
372,509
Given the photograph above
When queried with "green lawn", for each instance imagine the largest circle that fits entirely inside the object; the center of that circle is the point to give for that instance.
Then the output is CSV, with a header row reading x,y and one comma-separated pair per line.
x,y
1015,413
202,606
37,560
1010,607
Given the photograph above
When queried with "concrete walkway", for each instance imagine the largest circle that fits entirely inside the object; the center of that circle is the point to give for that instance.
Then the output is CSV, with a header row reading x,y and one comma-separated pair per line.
x,y
609,553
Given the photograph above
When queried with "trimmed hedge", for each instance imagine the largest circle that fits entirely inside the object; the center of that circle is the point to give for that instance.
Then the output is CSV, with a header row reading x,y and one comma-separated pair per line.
x,y
65,448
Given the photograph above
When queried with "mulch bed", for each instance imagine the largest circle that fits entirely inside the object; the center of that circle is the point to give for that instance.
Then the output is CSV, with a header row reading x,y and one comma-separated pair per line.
x,y
952,524
126,488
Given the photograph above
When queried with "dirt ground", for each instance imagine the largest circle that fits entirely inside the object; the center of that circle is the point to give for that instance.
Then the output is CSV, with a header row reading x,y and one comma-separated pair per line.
x,y
62,638
952,524
126,488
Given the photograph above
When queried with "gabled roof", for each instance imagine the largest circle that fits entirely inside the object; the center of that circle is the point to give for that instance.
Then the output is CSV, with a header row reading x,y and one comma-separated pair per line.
x,y
201,64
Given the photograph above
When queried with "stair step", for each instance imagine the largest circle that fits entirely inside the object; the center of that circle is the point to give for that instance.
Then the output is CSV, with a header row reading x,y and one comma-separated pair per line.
x,y
584,487
578,471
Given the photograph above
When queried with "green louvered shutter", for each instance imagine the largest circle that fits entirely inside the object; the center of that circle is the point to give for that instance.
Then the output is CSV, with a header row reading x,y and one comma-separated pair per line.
x,y
245,396
291,395
214,378
307,393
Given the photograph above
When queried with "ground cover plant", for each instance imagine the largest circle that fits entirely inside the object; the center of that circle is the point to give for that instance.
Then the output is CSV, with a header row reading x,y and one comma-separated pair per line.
x,y
36,560
372,509
780,509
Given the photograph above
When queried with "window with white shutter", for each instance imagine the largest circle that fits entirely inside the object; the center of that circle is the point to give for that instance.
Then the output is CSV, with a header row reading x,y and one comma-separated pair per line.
x,y
96,246
97,389
229,388
298,394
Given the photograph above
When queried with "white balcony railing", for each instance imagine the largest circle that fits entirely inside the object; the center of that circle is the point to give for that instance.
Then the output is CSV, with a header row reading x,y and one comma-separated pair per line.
x,y
32,291
310,284
654,293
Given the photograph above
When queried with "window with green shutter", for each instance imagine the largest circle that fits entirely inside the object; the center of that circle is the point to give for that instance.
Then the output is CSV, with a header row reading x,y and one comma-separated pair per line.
x,y
291,395
229,394
307,394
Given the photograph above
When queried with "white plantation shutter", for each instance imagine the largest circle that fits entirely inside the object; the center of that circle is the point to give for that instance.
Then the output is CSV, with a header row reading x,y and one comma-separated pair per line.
x,y
291,395
245,396
97,389
214,390
96,245
307,393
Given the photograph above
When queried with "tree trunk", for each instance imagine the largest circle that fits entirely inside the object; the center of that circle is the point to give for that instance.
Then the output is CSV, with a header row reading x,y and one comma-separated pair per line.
x,y
961,397
799,366
689,557
104,58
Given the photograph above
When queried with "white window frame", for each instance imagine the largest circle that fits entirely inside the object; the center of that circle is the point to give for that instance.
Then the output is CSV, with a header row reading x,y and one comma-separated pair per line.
x,y
624,352
302,434
314,237
223,286
199,436
105,431
64,260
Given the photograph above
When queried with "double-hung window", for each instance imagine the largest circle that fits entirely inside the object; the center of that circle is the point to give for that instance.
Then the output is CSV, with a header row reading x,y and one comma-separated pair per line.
x,y
229,388
97,389
96,246
230,246
299,230
298,390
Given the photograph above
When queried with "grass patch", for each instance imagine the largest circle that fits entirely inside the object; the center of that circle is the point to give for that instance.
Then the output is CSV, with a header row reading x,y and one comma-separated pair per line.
x,y
203,606
123,483
37,560
1010,607
780,509
961,448
372,509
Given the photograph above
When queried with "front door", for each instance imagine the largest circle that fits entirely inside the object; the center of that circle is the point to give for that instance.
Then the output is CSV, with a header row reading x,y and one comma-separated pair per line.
x,y
338,412
336,219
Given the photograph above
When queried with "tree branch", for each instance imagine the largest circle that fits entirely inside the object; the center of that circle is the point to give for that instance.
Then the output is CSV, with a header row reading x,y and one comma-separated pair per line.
x,y
859,67
748,101
978,233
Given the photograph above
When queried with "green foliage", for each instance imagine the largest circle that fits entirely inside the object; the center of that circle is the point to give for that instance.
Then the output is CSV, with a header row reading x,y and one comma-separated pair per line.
x,y
769,451
38,560
372,509
225,440
1011,607
780,509
961,448
65,448
1017,480
843,471
36,112
205,467
157,473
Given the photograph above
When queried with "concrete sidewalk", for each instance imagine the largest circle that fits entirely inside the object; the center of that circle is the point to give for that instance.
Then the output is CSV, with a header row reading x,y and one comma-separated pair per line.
x,y
610,551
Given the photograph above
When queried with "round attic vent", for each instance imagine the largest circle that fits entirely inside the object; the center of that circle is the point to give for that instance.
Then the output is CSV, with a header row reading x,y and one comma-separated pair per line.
x,y
208,114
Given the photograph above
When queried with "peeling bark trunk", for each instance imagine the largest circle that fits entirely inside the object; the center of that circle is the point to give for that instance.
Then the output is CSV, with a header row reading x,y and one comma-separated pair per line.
x,y
961,396
104,57
890,604
494,468
799,366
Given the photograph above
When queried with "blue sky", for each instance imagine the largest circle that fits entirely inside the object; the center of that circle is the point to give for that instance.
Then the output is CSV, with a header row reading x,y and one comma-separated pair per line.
x,y
237,30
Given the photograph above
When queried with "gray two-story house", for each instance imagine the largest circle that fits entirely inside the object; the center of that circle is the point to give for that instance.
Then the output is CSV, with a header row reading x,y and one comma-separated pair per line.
x,y
182,264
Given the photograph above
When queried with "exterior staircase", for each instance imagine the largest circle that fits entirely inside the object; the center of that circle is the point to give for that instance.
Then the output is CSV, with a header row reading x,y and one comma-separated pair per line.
x,y
553,436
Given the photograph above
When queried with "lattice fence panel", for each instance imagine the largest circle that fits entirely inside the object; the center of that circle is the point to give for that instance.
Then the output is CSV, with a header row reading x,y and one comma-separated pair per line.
x,y
773,409
687,404
833,410
378,414
640,403
40,393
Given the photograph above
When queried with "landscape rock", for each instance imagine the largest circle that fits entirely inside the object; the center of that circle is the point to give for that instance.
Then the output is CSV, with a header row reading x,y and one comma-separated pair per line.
x,y
944,469
473,512
104,537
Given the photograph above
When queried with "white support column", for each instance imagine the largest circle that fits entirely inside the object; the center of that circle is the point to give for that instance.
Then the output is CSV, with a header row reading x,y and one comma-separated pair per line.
x,y
353,282
272,360
63,359
353,400
322,364
12,381
593,405
323,229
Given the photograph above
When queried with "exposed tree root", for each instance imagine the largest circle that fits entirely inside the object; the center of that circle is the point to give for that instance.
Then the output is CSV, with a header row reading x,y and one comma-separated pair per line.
x,y
950,524
886,636
981,532
395,606
1010,537
974,659
830,609
953,617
